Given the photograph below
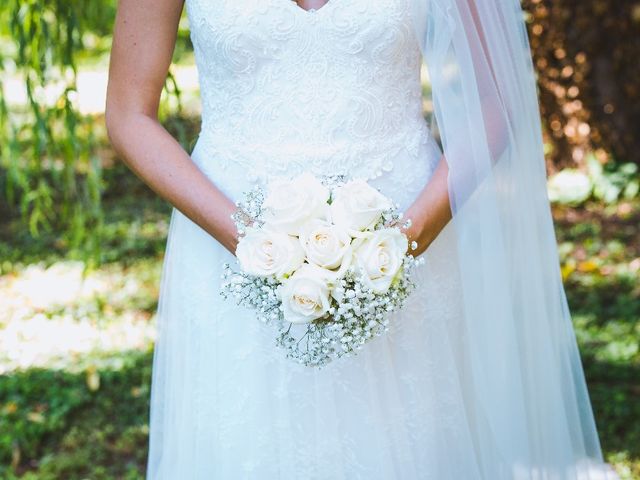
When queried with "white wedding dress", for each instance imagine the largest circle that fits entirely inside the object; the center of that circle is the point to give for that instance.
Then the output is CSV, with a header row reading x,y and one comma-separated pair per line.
x,y
335,90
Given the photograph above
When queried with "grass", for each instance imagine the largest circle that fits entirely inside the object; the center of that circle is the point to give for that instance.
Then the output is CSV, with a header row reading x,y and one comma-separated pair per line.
x,y
81,411
600,254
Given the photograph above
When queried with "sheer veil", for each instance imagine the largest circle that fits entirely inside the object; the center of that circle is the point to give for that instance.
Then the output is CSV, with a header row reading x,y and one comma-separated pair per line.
x,y
531,408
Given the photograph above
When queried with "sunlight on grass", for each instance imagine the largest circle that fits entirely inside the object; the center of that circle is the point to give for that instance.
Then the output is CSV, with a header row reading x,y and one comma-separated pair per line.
x,y
51,316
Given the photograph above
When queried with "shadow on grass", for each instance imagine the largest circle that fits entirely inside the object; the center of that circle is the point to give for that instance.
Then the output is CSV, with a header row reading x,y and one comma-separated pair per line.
x,y
89,424
615,395
605,298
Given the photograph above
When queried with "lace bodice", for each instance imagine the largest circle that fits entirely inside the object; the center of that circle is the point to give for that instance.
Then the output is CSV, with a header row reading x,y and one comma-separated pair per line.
x,y
335,90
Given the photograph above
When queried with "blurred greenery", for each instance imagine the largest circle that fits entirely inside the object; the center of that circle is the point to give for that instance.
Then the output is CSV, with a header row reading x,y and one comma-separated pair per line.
x,y
599,247
78,408
584,52
51,151
48,147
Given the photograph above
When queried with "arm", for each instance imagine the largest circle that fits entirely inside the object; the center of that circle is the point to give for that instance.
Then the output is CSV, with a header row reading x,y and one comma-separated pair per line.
x,y
143,42
431,211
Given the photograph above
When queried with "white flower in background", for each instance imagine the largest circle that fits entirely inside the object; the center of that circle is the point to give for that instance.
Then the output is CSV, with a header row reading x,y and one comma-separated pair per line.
x,y
357,205
305,295
264,253
380,257
326,245
290,204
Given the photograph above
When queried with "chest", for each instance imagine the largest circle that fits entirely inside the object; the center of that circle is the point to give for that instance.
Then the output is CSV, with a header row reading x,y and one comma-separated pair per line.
x,y
252,31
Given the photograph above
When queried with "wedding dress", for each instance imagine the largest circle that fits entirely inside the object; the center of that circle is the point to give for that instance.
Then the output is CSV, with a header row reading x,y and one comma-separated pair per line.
x,y
332,90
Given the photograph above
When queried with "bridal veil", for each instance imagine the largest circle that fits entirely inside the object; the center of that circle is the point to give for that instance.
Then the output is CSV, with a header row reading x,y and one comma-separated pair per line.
x,y
526,383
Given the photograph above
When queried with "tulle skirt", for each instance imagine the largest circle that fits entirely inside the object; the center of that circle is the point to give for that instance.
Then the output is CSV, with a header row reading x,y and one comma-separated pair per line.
x,y
227,404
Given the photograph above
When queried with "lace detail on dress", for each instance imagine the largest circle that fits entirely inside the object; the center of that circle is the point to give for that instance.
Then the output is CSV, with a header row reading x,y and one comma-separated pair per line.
x,y
336,90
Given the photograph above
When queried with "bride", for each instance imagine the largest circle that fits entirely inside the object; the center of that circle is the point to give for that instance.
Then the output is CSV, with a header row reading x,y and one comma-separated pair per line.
x,y
479,376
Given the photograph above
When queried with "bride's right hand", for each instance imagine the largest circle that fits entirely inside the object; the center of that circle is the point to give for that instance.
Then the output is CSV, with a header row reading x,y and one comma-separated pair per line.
x,y
227,234
240,216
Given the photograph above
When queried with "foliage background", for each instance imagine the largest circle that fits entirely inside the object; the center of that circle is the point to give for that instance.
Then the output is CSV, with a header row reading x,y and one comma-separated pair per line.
x,y
81,239
585,55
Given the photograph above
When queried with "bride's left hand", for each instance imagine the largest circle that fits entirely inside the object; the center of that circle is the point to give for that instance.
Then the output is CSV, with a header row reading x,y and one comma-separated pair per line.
x,y
429,213
415,233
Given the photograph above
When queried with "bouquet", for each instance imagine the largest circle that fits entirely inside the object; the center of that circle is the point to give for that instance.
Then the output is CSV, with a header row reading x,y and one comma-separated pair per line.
x,y
324,261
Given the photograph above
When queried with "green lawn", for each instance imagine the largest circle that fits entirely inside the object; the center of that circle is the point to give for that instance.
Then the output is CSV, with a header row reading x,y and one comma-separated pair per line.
x,y
78,409
600,252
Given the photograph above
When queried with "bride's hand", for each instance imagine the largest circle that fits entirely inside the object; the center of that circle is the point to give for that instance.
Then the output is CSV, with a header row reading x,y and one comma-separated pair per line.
x,y
414,234
240,216
419,239
429,213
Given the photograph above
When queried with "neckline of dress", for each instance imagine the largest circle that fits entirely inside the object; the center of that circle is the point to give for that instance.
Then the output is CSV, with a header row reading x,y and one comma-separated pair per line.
x,y
311,11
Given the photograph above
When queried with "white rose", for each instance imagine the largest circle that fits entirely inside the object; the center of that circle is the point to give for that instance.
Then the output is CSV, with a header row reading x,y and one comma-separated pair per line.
x,y
380,256
264,253
326,245
357,205
289,204
305,295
